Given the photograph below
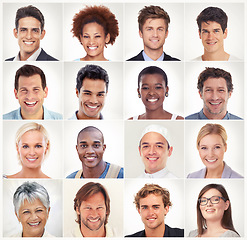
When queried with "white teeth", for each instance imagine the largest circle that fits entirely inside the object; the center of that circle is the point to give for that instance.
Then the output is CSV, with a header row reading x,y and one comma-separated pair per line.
x,y
28,43
152,100
213,160
30,103
92,48
92,106
93,220
90,158
34,224
152,159
214,103
31,159
210,210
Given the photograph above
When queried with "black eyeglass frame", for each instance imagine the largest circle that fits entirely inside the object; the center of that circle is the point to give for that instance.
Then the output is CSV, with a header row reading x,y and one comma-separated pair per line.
x,y
199,200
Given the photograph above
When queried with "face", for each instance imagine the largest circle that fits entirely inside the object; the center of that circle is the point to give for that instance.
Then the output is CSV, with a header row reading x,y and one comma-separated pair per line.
x,y
93,39
154,152
214,212
30,95
152,211
212,150
212,37
33,217
32,149
91,98
29,35
93,213
152,90
154,33
90,148
215,96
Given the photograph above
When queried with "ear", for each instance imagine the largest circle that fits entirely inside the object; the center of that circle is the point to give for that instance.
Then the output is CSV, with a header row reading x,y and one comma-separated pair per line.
x,y
15,33
225,33
77,211
200,94
17,216
138,91
104,147
199,34
77,92
229,94
227,204
139,148
107,38
167,89
43,34
166,33
17,148
49,211
225,147
46,92
170,152
140,33
139,210
167,209
16,93
47,147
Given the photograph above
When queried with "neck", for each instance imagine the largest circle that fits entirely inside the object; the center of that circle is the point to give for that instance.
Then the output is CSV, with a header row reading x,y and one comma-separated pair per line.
x,y
153,54
31,173
94,172
24,56
81,115
214,229
38,115
38,235
215,56
215,173
159,113
157,232
101,232
94,58
214,116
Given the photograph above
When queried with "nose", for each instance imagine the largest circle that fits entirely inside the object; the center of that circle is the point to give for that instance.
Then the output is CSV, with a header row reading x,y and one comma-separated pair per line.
x,y
93,213
33,216
93,99
32,151
29,34
210,35
152,150
90,149
29,94
155,32
209,203
215,95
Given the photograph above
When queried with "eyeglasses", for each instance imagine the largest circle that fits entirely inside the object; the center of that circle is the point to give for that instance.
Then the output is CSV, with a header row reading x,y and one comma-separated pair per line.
x,y
214,200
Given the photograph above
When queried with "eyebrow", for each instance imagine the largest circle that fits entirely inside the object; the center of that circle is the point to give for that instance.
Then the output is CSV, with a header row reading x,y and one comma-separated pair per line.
x,y
145,143
97,141
88,91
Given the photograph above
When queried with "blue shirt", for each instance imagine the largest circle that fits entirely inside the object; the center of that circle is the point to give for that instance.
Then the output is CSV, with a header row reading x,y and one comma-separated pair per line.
x,y
201,115
48,115
147,58
103,175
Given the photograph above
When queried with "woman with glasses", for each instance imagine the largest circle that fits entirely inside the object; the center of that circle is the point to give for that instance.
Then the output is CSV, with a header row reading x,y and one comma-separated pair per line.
x,y
214,216
211,144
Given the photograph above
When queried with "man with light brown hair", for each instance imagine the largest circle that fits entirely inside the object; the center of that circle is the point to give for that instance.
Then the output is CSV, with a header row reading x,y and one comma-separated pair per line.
x,y
153,203
153,29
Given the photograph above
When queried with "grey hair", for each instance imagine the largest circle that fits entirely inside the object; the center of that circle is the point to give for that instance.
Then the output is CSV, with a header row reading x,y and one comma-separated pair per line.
x,y
30,191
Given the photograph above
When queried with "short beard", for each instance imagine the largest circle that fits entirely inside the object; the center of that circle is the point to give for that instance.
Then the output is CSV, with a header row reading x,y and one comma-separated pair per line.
x,y
85,223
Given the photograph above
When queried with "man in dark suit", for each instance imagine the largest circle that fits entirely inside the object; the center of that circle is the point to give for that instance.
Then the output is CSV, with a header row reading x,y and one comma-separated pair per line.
x,y
153,29
29,30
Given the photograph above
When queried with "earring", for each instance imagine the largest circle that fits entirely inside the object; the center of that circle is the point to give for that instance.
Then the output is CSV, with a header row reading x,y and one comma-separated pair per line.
x,y
166,94
139,95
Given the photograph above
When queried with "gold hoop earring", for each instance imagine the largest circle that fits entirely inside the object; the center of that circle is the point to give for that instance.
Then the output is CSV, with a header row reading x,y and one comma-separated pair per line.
x,y
166,94
139,95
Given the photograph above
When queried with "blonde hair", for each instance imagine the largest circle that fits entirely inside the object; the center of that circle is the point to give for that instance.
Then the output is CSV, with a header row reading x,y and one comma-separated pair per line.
x,y
211,128
32,126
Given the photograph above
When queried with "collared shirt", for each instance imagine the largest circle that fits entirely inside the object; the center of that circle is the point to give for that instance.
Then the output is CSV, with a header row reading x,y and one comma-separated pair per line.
x,y
76,232
33,57
163,173
147,58
74,117
227,173
16,115
201,115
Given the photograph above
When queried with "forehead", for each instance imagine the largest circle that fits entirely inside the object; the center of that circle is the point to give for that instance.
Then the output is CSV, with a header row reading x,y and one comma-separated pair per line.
x,y
32,135
34,204
210,25
90,135
97,198
29,22
92,27
152,78
212,192
211,138
215,82
153,137
34,80
152,199
93,84
155,22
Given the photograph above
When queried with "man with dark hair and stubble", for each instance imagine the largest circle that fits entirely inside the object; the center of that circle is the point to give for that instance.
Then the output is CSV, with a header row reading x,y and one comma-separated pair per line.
x,y
29,31
153,29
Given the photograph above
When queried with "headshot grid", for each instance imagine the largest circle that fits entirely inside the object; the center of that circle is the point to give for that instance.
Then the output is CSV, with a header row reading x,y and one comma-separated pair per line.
x,y
123,119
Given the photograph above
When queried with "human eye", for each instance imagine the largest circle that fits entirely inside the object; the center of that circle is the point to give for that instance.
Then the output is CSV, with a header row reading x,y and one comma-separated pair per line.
x,y
215,199
156,207
36,30
25,146
203,148
25,212
144,88
87,93
144,207
221,90
101,95
83,145
158,87
159,146
145,146
23,30
36,89
98,36
96,145
218,147
85,36
203,201
23,90
38,146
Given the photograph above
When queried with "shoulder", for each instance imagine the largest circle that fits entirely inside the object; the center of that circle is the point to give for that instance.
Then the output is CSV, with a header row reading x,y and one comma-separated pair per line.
x,y
197,174
52,115
169,58
11,115
72,175
234,58
10,59
43,56
137,234
173,232
114,171
234,117
193,116
193,233
197,59
230,233
138,57
229,173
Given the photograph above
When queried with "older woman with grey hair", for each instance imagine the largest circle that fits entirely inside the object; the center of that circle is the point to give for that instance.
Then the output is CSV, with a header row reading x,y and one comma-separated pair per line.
x,y
32,207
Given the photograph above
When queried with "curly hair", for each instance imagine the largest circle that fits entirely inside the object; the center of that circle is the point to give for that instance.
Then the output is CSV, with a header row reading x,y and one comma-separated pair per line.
x,y
100,15
153,189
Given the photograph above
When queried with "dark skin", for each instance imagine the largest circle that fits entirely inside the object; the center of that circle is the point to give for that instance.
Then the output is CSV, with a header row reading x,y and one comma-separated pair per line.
x,y
90,148
152,91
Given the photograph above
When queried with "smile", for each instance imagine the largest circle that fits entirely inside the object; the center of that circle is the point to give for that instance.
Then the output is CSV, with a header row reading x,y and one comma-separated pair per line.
x,y
34,224
215,103
93,220
90,159
211,43
152,100
31,159
211,160
92,48
30,104
92,107
29,43
152,158
210,210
